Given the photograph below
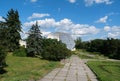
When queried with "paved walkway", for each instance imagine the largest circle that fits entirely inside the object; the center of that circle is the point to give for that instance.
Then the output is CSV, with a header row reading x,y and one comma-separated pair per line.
x,y
73,70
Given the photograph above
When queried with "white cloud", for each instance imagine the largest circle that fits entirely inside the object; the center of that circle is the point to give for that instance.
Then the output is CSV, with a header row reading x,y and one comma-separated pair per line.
x,y
114,35
72,1
107,28
33,1
43,23
113,31
49,25
1,19
115,28
45,33
64,25
91,2
102,20
38,15
84,30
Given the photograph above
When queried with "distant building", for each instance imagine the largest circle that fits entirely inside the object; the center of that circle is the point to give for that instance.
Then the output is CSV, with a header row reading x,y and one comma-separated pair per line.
x,y
22,43
64,37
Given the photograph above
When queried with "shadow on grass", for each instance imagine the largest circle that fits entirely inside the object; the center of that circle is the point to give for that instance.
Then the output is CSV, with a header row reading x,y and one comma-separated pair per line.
x,y
3,71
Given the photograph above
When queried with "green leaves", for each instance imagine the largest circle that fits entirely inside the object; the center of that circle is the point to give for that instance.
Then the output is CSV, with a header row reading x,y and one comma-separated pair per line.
x,y
54,50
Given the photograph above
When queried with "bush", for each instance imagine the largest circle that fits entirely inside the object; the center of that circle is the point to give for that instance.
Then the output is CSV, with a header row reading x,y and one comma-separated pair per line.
x,y
21,52
2,59
55,50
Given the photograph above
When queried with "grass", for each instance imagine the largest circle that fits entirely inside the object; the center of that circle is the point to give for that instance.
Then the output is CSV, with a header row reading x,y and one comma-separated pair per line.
x,y
26,68
83,54
106,70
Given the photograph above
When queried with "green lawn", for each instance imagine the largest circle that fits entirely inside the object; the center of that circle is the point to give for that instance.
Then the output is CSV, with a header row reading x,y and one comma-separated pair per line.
x,y
106,70
26,68
83,54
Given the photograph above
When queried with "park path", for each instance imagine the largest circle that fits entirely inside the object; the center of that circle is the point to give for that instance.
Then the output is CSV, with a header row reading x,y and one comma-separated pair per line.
x,y
74,70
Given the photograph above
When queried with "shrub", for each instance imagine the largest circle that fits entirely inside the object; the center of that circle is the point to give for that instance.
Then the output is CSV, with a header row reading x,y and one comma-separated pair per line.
x,y
21,52
55,50
2,59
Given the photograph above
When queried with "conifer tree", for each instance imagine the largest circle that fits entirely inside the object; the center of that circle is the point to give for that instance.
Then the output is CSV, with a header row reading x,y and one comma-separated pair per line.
x,y
3,44
13,25
34,41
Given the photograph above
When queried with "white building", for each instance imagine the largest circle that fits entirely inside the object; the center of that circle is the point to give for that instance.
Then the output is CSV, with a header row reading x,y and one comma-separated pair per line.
x,y
64,37
22,43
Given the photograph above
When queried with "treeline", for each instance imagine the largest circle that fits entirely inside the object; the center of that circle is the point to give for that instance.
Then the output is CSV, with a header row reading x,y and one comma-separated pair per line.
x,y
37,46
108,47
49,49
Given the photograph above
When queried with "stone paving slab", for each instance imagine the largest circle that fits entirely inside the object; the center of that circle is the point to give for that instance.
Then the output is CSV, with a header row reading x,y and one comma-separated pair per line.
x,y
71,79
74,70
58,80
44,79
59,77
49,77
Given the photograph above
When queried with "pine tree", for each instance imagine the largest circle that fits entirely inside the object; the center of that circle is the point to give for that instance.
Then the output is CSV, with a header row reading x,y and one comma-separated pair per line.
x,y
3,34
34,41
3,44
13,29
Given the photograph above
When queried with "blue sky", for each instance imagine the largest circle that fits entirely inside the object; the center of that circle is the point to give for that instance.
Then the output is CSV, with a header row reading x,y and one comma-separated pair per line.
x,y
88,19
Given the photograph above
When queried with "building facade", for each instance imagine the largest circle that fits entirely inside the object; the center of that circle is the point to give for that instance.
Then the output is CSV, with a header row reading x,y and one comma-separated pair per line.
x,y
64,37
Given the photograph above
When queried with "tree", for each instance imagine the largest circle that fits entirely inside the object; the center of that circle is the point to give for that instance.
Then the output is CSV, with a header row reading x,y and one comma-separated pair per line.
x,y
109,47
78,43
9,35
54,50
3,35
13,25
34,41
2,47
96,45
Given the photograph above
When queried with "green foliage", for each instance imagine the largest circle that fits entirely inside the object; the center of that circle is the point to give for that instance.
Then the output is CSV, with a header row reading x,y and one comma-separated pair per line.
x,y
2,59
12,25
34,42
9,35
106,70
21,52
3,35
78,43
96,45
109,47
3,44
54,50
